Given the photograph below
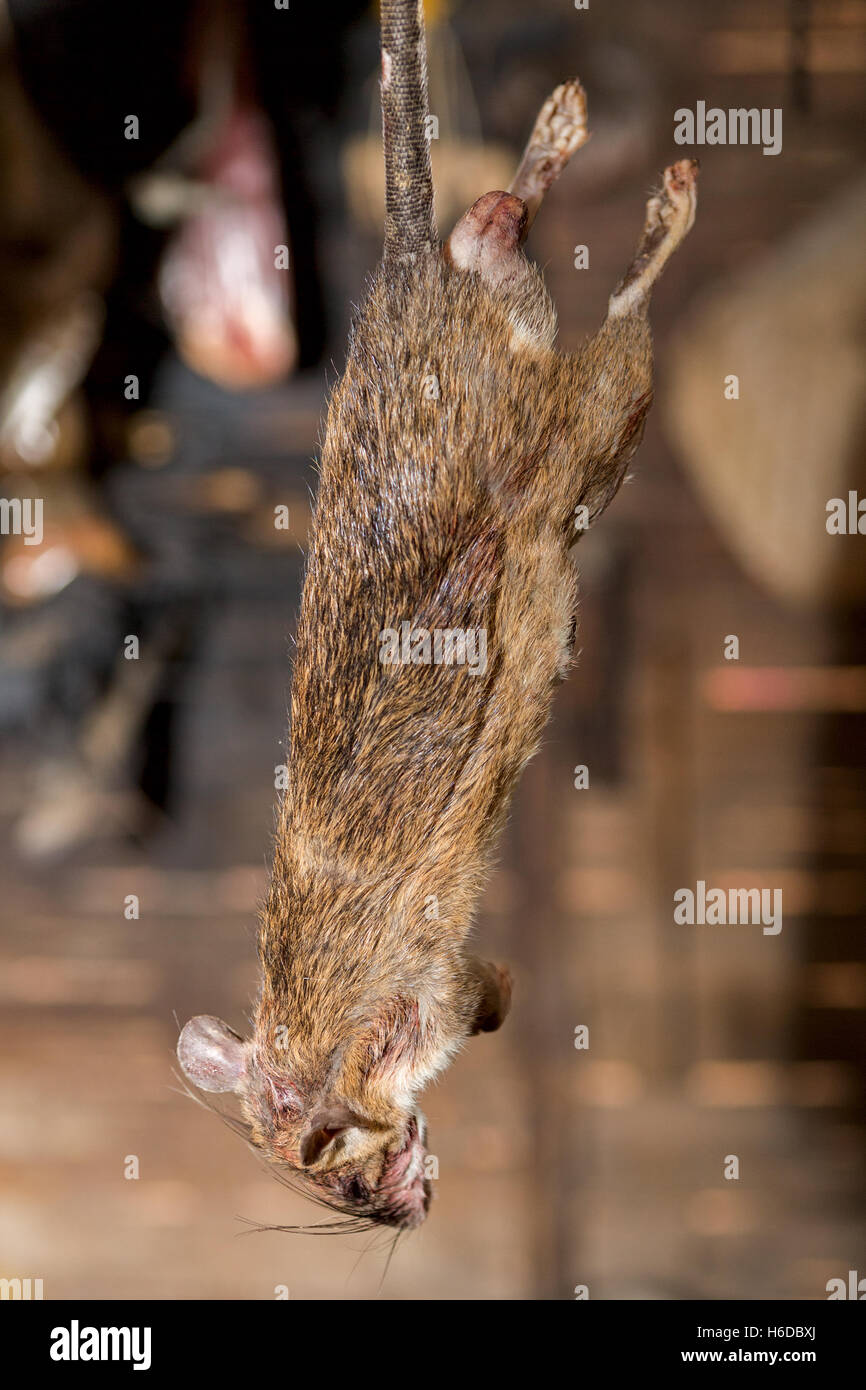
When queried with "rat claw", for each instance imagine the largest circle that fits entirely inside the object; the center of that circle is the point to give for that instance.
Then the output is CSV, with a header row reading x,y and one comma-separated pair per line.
x,y
670,214
682,175
559,130
560,127
680,196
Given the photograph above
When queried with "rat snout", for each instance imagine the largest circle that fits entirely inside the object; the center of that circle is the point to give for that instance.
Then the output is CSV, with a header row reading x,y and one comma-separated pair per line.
x,y
409,1206
404,1185
414,1210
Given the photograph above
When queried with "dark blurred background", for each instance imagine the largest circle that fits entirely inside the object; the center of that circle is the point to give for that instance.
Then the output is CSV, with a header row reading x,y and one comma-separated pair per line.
x,y
161,387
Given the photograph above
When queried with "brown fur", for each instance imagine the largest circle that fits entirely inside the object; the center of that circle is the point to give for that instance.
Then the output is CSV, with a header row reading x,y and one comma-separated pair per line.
x,y
401,775
458,446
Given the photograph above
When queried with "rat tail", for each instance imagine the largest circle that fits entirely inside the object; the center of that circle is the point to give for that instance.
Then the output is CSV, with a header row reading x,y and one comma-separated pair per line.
x,y
409,223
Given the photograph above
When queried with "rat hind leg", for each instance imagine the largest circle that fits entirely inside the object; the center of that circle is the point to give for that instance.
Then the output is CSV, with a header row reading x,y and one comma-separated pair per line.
x,y
606,387
559,130
669,216
487,239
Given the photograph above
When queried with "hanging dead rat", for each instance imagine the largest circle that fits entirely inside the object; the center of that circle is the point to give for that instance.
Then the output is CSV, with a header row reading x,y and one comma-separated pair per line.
x,y
459,449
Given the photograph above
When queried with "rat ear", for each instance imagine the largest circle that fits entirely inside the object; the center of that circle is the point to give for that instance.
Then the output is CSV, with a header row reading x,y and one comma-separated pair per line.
x,y
212,1056
494,999
327,1122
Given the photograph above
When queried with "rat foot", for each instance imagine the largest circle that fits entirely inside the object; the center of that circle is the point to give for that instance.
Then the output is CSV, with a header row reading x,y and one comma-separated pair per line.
x,y
670,214
488,237
559,130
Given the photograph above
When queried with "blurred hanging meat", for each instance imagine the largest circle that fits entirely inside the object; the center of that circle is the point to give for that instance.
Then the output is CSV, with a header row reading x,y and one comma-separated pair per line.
x,y
113,242
224,280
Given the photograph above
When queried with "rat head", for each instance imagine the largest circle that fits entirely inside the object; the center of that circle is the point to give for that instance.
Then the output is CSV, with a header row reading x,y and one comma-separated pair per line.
x,y
364,1157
